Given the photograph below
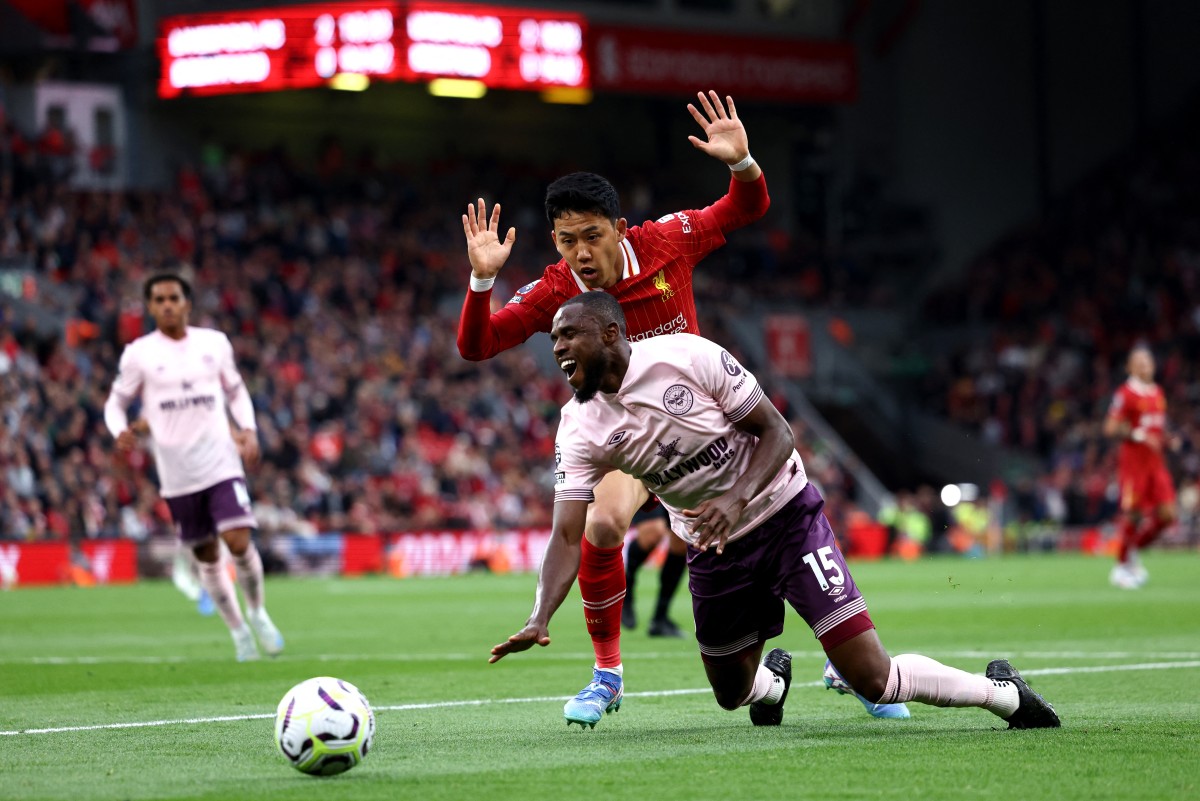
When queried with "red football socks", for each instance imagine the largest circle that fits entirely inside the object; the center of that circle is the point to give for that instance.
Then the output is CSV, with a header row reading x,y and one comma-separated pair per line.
x,y
1127,538
1150,530
602,585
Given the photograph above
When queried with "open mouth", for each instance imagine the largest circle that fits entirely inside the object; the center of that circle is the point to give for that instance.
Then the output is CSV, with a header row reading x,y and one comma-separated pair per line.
x,y
568,366
588,273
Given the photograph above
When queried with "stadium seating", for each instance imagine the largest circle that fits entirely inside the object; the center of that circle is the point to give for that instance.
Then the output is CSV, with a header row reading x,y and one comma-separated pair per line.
x,y
1053,309
340,289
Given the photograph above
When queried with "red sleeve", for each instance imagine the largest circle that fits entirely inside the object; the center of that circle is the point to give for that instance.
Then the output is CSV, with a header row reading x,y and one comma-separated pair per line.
x,y
481,334
745,202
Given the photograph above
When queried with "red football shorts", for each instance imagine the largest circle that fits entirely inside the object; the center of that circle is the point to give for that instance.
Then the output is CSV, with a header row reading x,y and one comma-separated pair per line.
x,y
1145,489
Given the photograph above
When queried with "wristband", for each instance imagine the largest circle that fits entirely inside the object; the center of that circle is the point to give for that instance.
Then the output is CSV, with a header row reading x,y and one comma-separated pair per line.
x,y
481,284
743,164
1138,434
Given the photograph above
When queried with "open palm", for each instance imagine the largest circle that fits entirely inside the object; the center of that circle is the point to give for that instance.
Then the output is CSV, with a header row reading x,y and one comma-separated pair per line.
x,y
725,134
484,247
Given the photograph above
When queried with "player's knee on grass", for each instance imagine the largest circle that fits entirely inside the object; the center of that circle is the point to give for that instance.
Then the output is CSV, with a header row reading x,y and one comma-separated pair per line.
x,y
732,695
732,679
603,529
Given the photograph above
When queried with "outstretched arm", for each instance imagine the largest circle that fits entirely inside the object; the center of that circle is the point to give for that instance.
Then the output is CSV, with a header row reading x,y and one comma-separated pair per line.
x,y
725,136
725,140
560,565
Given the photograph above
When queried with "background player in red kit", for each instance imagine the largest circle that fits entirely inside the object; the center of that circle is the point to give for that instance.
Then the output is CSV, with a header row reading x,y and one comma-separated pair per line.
x,y
1138,417
648,269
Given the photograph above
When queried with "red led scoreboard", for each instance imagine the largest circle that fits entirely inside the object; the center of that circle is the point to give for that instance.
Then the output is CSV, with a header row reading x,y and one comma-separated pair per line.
x,y
295,47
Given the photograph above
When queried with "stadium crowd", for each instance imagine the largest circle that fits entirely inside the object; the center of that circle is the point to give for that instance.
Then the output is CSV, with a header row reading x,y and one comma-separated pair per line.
x,y
339,285
1114,264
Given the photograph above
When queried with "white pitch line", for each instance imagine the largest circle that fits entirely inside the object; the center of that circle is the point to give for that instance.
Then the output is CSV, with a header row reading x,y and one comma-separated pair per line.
x,y
1110,668
1055,671
390,708
479,656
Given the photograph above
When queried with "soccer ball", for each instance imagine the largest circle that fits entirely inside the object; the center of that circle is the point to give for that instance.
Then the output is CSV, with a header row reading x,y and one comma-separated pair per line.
x,y
324,726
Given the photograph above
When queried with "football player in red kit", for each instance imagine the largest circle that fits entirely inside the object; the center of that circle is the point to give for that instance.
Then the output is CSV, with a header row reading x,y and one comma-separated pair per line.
x,y
648,269
1138,417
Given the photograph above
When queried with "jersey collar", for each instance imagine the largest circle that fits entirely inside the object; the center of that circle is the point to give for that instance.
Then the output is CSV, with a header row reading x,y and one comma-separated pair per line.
x,y
632,267
1140,387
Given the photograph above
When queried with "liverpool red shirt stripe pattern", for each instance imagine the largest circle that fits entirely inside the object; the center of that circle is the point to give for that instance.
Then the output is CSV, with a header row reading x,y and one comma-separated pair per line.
x,y
655,289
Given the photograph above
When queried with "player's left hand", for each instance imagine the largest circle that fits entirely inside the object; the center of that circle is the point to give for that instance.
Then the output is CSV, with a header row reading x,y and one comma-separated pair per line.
x,y
523,640
247,446
725,133
712,521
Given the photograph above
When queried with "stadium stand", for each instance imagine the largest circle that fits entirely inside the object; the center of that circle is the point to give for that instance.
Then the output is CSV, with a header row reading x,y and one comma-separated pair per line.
x,y
339,285
1053,309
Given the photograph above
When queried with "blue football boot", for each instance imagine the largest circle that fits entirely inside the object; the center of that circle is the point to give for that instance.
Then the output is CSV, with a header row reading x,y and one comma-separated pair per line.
x,y
603,696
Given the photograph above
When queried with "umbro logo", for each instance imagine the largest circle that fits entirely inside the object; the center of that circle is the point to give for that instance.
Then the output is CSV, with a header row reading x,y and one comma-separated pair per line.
x,y
617,438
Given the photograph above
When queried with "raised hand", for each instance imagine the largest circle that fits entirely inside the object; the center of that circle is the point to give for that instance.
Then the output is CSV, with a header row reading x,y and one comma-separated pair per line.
x,y
523,640
484,248
725,134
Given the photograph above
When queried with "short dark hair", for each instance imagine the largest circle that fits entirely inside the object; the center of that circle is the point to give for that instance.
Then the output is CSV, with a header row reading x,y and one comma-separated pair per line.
x,y
582,192
601,307
162,278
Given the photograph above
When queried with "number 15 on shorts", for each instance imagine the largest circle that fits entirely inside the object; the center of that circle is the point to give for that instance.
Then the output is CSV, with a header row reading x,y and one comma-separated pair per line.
x,y
827,572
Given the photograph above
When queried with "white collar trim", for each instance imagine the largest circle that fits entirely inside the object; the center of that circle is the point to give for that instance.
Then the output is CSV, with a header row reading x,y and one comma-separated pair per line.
x,y
1140,387
632,267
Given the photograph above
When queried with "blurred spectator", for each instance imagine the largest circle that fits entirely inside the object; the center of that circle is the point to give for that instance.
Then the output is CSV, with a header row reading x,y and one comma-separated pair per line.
x,y
1060,303
339,288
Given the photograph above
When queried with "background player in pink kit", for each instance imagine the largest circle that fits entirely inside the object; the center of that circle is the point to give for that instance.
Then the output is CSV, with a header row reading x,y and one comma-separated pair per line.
x,y
648,269
186,379
1138,417
682,415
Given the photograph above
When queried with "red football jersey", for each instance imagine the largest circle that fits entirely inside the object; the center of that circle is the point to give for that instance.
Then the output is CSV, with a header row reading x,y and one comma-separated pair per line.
x,y
655,289
1142,406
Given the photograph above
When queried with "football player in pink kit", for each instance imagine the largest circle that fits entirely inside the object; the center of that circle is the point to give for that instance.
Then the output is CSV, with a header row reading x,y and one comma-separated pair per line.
x,y
186,378
648,268
1138,418
680,414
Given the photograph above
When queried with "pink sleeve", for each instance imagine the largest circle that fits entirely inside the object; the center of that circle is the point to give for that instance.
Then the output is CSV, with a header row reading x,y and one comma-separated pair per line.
x,y
241,407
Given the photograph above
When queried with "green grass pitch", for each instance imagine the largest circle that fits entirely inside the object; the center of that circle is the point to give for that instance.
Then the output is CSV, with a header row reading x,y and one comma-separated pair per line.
x,y
1122,668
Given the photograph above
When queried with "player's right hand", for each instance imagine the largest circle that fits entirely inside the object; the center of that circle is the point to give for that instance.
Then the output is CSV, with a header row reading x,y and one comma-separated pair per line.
x,y
127,440
246,441
523,640
484,248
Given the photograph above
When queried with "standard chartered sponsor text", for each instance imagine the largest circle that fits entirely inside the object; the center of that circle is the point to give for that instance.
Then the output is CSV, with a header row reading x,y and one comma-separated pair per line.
x,y
675,326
